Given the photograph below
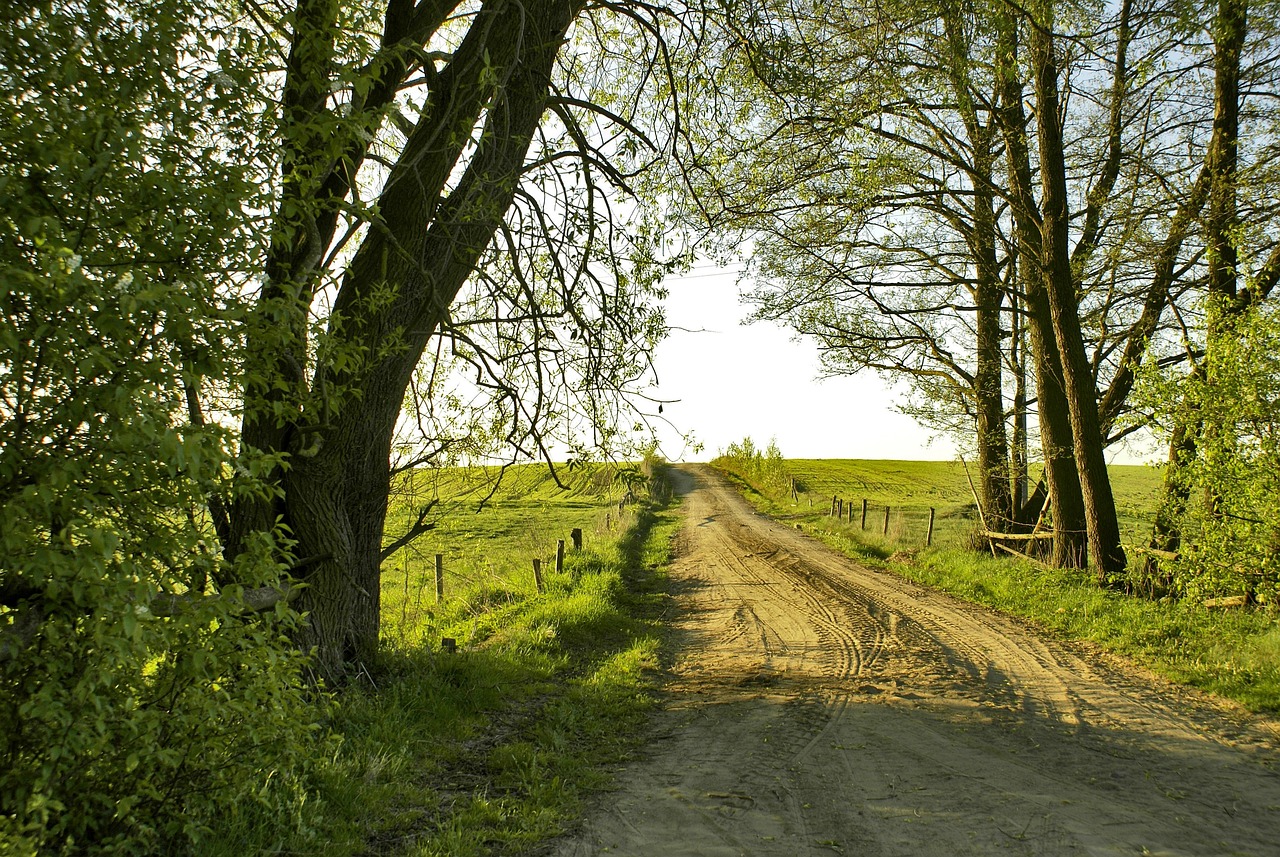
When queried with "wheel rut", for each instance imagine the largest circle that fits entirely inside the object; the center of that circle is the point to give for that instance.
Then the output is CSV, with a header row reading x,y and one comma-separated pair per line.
x,y
819,707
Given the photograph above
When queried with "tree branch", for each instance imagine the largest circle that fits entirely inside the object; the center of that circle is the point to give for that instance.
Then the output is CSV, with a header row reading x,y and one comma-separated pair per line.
x,y
416,529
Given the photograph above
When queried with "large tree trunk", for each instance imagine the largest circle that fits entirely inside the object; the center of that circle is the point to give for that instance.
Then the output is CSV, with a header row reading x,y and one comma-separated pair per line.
x,y
1070,524
987,291
988,381
993,446
1018,443
275,385
1077,374
427,267
1223,157
1061,476
395,294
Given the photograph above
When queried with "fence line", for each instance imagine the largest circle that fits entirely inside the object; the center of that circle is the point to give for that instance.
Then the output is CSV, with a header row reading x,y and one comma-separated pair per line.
x,y
839,505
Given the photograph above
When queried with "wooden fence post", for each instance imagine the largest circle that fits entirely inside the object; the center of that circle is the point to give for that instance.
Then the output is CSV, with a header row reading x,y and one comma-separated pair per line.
x,y
559,556
576,535
840,508
537,574
886,521
929,538
833,505
864,513
439,577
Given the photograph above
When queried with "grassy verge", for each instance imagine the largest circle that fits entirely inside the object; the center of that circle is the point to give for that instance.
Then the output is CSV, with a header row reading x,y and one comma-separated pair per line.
x,y
492,749
1235,654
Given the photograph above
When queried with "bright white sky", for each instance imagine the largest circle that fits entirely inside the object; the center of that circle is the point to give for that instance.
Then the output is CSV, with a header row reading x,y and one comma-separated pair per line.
x,y
733,380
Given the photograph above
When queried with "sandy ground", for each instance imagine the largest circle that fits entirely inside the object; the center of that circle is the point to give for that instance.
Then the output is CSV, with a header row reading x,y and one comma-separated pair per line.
x,y
817,707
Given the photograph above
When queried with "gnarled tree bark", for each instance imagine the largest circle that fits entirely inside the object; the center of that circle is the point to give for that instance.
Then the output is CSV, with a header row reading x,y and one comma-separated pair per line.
x,y
336,427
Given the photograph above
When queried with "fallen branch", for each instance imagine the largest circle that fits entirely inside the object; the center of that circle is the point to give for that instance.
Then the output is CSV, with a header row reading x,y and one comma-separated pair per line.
x,y
250,601
982,517
1159,554
27,619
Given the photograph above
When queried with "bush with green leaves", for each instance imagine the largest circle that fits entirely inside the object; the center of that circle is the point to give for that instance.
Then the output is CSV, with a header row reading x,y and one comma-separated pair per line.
x,y
763,468
141,702
1230,526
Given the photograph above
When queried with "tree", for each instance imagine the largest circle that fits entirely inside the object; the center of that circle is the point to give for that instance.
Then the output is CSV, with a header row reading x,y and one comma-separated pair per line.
x,y
218,214
1242,56
1055,266
891,238
427,148
863,177
932,179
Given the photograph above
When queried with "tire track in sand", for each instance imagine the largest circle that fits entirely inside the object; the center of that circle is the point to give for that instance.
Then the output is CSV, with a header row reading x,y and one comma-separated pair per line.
x,y
817,707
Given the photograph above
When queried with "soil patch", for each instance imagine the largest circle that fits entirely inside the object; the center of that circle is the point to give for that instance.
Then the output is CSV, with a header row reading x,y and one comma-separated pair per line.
x,y
819,707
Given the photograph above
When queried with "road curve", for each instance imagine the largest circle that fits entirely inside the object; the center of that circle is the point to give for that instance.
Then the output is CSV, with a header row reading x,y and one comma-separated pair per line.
x,y
818,707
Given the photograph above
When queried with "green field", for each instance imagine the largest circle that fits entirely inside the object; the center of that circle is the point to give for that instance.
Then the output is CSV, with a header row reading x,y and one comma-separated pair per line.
x,y
492,748
489,526
1234,653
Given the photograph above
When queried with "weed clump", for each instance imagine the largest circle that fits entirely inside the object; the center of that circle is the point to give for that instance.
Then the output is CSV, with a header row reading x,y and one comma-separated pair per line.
x,y
764,469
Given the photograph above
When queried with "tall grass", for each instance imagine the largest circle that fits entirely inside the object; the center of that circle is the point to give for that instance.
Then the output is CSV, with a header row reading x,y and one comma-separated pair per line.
x,y
763,469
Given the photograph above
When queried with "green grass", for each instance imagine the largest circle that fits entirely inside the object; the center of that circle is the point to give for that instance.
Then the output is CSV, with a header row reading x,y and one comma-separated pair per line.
x,y
488,533
1235,653
493,749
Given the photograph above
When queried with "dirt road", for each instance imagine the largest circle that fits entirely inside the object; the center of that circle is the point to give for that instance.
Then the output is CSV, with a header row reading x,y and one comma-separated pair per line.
x,y
817,707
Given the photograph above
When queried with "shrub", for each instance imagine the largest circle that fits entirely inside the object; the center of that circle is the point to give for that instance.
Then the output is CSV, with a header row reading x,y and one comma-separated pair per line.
x,y
765,469
1231,527
141,706
140,703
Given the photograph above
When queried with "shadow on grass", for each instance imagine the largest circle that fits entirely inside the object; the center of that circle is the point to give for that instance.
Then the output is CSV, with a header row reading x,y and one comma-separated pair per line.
x,y
492,749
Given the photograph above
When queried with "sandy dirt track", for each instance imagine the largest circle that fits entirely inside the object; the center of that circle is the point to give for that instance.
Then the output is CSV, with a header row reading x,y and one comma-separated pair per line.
x,y
817,707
